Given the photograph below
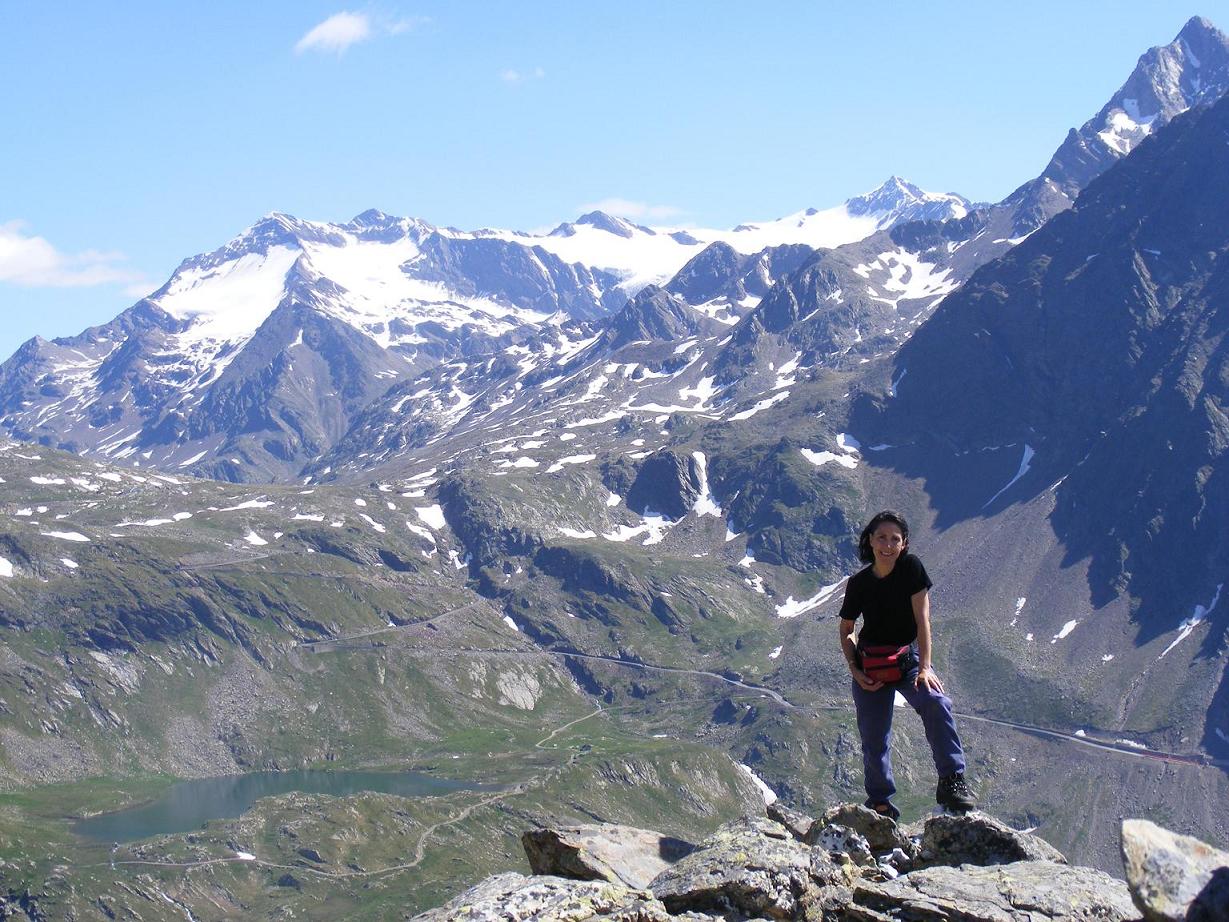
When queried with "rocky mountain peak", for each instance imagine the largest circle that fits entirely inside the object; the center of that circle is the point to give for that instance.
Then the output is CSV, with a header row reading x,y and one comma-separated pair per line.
x,y
376,225
600,220
372,217
900,200
1198,33
654,314
1167,80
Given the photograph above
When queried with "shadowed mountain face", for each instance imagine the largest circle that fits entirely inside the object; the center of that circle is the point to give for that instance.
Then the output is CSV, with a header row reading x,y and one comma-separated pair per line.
x,y
1096,352
1191,70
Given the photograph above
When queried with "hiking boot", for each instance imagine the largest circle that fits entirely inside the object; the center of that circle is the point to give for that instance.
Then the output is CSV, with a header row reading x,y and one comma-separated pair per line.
x,y
886,809
954,793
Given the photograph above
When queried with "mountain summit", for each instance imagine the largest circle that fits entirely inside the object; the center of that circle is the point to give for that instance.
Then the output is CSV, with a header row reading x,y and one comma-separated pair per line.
x,y
1191,70
898,201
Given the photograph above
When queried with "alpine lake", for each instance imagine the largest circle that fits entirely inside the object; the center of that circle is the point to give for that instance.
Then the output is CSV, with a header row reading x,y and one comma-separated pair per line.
x,y
187,805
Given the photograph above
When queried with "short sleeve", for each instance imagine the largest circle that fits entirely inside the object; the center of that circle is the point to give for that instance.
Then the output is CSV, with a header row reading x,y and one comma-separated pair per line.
x,y
916,576
851,607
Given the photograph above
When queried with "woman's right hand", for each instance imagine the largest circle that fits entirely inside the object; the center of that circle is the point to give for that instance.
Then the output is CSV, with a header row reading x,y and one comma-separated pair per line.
x,y
867,683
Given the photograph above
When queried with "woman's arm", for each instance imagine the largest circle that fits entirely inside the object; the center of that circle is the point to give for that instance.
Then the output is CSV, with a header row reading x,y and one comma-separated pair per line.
x,y
850,649
921,615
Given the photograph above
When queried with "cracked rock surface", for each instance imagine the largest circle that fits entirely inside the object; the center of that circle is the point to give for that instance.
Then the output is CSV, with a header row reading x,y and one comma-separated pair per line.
x,y
1024,891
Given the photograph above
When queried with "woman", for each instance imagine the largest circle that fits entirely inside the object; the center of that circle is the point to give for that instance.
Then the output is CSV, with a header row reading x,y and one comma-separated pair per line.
x,y
892,654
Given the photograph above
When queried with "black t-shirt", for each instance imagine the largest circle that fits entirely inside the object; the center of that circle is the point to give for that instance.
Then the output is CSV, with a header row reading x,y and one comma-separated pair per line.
x,y
885,604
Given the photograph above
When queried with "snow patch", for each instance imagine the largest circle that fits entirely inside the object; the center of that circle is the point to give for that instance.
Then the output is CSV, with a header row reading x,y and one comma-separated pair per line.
x,y
1064,631
1200,613
766,792
249,504
1019,608
570,459
706,503
433,515
1025,462
820,458
654,527
760,405
791,609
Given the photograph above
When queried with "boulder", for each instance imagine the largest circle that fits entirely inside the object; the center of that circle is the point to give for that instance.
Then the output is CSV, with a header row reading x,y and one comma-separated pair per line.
x,y
797,823
619,854
513,897
1174,878
880,832
1036,891
754,868
975,838
841,840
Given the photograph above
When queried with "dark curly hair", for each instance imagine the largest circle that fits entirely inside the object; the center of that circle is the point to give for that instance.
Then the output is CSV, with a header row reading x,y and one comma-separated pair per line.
x,y
865,554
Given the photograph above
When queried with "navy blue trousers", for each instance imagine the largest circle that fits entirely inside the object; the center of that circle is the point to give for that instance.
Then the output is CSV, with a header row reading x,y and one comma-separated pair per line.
x,y
875,727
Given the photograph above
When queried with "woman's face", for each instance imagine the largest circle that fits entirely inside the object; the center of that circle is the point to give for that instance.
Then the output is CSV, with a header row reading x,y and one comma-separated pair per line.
x,y
888,543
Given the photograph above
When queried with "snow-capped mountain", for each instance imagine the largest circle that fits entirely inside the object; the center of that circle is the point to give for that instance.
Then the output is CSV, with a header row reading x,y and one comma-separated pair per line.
x,y
254,359
1191,70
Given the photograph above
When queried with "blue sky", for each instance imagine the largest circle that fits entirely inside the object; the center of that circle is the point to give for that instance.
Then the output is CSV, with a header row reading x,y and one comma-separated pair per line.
x,y
140,133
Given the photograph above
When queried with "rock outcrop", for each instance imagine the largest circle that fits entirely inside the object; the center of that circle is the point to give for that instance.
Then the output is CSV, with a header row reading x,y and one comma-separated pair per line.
x,y
1032,890
618,854
880,832
1174,878
754,868
849,865
982,840
514,896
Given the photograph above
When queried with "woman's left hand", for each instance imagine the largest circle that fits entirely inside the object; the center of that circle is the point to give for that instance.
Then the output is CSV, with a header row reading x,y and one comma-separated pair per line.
x,y
926,676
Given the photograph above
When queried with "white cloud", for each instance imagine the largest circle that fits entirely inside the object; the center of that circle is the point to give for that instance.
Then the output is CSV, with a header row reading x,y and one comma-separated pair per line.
x,y
341,30
520,76
337,33
623,208
33,262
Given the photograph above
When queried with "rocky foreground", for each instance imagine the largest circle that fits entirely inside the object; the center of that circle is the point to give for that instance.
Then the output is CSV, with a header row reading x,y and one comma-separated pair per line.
x,y
850,865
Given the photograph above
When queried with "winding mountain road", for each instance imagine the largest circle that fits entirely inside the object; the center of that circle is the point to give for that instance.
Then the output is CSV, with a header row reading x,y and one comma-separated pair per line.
x,y
1100,741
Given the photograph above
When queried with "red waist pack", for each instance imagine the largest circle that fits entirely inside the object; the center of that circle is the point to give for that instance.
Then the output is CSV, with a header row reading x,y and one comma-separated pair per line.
x,y
886,664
